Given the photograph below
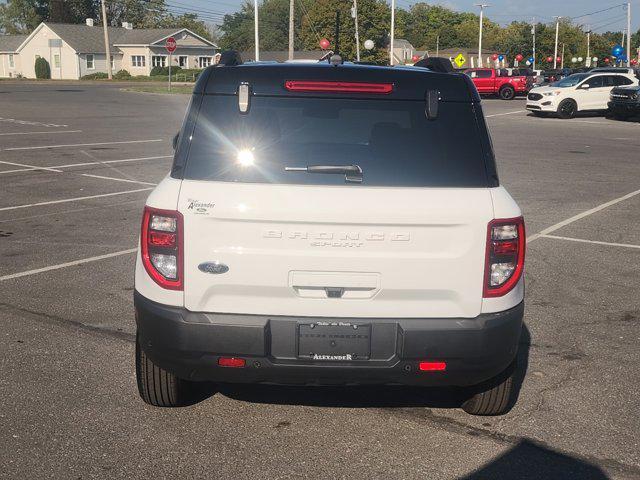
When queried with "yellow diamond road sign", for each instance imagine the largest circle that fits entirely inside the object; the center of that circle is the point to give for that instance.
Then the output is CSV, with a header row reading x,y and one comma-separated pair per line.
x,y
460,60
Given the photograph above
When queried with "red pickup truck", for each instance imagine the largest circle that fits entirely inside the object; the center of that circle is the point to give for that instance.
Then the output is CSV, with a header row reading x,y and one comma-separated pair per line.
x,y
490,81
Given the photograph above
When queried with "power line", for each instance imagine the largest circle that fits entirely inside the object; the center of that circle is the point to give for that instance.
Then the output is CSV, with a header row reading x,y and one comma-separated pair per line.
x,y
598,11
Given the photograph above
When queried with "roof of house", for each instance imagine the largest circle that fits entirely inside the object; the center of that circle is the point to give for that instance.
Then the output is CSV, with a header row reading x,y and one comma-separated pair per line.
x,y
9,43
86,39
401,43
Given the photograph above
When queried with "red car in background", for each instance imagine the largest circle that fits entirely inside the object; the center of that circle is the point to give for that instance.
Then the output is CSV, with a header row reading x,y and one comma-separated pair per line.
x,y
490,81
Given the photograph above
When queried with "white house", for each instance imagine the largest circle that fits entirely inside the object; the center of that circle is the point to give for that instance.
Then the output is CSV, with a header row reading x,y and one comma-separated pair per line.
x,y
74,50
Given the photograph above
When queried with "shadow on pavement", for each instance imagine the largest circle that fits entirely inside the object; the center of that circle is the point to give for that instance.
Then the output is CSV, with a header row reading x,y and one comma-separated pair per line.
x,y
528,460
370,396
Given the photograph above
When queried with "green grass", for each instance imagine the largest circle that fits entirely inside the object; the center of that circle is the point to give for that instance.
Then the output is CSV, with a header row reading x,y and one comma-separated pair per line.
x,y
160,89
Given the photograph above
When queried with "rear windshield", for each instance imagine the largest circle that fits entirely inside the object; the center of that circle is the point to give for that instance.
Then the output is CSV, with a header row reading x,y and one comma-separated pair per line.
x,y
391,141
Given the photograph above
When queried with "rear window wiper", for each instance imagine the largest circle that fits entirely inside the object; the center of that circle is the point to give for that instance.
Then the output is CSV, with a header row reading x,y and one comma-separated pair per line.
x,y
352,173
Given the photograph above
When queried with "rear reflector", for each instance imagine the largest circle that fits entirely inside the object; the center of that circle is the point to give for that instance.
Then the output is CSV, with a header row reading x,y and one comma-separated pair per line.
x,y
340,87
432,366
232,362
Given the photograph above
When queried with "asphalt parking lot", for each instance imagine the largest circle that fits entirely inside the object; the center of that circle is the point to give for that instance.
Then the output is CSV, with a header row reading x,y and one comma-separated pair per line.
x,y
76,164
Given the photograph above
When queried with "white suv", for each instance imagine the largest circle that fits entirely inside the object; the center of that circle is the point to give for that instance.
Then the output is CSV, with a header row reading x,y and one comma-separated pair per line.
x,y
577,93
331,225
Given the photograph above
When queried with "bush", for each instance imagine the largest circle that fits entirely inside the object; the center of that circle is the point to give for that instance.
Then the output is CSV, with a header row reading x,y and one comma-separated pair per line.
x,y
164,70
95,76
122,75
43,70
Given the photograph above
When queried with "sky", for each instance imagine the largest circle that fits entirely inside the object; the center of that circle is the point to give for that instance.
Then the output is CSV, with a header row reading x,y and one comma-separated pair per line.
x,y
500,11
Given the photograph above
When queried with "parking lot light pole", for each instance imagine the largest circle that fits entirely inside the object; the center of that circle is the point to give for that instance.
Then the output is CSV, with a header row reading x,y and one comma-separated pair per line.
x,y
393,30
533,32
555,51
255,29
482,7
107,50
629,34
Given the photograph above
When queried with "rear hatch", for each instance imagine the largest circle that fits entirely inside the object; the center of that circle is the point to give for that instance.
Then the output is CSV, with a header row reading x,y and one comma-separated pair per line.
x,y
406,238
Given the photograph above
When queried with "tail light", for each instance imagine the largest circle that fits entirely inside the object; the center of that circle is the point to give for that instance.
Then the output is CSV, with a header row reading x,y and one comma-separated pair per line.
x,y
506,242
161,245
340,87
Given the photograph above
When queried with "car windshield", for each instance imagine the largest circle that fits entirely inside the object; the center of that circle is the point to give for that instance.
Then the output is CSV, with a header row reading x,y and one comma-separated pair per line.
x,y
571,80
392,141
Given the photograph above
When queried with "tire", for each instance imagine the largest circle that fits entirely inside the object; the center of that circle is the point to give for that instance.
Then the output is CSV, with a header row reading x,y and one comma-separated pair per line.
x,y
158,387
493,398
507,93
567,109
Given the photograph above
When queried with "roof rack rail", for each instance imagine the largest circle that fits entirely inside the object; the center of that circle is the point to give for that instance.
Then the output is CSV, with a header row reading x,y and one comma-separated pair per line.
x,y
230,58
435,64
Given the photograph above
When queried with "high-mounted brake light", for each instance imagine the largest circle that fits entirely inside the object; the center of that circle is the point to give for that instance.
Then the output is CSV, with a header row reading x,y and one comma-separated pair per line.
x,y
161,246
506,243
338,87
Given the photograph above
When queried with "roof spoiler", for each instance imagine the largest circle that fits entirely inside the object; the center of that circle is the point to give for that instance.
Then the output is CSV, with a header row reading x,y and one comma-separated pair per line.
x,y
230,58
435,64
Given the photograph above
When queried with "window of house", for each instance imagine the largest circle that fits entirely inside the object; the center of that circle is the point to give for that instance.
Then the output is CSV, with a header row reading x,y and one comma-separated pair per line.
x,y
137,61
204,62
90,64
56,61
158,61
183,61
11,61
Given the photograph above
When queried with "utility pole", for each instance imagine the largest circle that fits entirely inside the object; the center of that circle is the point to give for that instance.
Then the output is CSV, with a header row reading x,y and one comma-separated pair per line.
x,y
107,50
562,57
629,34
255,29
437,45
354,14
393,28
482,7
533,32
555,51
588,59
291,13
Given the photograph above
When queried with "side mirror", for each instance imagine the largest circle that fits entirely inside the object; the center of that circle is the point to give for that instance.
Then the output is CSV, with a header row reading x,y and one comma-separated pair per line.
x,y
585,86
175,140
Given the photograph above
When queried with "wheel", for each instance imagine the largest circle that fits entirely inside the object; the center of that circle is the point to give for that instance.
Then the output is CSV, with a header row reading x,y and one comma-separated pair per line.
x,y
492,398
507,93
158,387
567,109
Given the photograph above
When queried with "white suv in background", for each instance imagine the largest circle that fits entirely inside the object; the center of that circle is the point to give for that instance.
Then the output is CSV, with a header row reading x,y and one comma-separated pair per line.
x,y
324,224
577,93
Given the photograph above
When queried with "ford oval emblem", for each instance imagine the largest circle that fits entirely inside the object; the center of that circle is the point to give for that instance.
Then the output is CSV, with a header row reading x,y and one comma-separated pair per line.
x,y
213,267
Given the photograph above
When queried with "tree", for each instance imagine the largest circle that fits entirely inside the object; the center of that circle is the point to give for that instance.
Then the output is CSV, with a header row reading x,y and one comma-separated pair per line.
x,y
42,68
22,16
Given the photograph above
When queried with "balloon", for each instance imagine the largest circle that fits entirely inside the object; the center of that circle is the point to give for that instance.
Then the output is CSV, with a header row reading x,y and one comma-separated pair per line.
x,y
501,57
324,44
595,59
549,59
634,62
531,59
528,63
368,44
606,60
494,56
580,59
574,60
617,50
558,59
519,57
415,58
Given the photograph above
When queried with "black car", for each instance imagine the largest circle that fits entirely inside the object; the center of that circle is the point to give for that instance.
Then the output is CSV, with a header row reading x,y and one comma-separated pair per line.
x,y
624,102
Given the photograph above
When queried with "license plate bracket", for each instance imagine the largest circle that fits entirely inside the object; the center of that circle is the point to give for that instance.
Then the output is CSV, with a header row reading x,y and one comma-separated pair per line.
x,y
334,341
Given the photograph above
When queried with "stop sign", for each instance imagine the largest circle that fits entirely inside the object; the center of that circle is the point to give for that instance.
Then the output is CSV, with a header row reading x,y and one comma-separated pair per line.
x,y
170,44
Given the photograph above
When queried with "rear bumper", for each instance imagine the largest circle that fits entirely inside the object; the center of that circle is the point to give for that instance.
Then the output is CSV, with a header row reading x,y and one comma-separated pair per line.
x,y
189,344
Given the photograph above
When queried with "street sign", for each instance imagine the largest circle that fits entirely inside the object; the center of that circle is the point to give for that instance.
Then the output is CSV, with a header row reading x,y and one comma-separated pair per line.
x,y
170,44
460,60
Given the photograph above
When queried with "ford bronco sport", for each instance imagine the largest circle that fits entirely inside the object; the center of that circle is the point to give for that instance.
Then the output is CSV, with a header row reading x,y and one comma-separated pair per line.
x,y
331,224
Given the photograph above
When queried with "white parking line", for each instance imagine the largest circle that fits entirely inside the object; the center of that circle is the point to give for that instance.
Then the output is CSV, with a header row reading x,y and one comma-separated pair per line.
x,y
67,264
38,133
582,240
30,167
81,145
500,114
76,199
577,217
69,165
118,179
